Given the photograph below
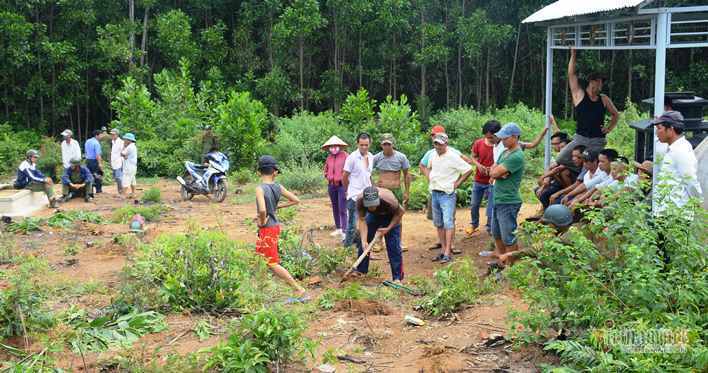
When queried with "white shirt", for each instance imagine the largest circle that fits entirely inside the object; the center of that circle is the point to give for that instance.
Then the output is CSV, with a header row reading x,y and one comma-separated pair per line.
x,y
498,150
116,149
593,179
677,179
359,174
70,151
131,157
445,170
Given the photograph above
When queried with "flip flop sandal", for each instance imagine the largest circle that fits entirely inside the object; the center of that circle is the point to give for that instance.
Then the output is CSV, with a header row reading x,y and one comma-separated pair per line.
x,y
456,251
437,246
445,259
438,258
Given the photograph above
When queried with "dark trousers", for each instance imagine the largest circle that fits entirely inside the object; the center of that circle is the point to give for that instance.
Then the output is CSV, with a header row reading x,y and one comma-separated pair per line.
x,y
338,197
92,165
546,194
393,245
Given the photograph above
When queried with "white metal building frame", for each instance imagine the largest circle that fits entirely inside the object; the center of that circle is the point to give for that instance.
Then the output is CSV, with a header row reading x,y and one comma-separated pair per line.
x,y
619,25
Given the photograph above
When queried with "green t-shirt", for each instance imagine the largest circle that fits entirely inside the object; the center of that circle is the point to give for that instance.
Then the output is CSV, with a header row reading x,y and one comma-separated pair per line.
x,y
507,190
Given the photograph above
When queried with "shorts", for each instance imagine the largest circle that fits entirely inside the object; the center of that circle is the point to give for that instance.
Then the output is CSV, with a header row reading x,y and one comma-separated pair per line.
x,y
504,224
443,206
267,243
128,178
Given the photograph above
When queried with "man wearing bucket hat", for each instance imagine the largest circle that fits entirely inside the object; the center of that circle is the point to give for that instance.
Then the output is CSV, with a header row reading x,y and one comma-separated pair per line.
x,y
333,172
77,181
130,163
677,176
70,148
117,159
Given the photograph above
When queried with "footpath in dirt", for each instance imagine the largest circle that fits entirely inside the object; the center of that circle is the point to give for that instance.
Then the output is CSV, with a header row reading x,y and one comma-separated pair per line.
x,y
367,335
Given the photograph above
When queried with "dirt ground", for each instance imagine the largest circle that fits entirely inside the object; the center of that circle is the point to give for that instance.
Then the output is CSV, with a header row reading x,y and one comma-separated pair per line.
x,y
375,334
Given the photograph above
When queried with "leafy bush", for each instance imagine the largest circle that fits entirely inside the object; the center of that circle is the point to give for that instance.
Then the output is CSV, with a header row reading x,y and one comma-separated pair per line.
x,y
308,259
152,195
239,123
272,335
125,213
201,271
116,326
26,225
13,145
22,307
304,178
7,248
398,118
623,273
456,285
65,219
50,158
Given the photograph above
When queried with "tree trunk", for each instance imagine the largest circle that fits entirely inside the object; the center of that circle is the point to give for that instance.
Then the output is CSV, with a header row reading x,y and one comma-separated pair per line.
x,y
459,65
629,76
335,105
270,41
301,43
422,47
486,80
143,43
479,82
359,57
510,96
393,67
131,37
447,87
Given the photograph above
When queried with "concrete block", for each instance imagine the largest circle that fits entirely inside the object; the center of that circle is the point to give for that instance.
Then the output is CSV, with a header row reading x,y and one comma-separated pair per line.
x,y
23,202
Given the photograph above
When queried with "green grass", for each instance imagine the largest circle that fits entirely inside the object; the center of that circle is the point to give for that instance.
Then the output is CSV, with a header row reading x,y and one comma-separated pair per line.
x,y
125,213
152,195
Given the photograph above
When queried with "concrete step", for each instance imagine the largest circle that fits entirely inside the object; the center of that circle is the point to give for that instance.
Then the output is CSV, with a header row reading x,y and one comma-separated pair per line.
x,y
21,202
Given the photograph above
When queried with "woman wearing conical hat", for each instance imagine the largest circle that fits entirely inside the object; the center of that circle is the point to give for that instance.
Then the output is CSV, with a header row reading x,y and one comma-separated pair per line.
x,y
333,171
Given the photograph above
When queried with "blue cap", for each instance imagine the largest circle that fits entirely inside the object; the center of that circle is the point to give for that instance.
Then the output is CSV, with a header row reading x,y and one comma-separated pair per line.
x,y
509,129
129,136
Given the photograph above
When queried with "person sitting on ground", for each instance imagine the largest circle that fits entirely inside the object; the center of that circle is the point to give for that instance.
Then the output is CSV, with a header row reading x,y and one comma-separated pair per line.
x,y
447,171
604,164
379,212
77,181
268,194
558,217
558,178
482,188
29,177
592,176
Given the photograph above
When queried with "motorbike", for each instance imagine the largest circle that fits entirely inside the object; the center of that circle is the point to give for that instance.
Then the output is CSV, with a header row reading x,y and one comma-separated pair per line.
x,y
205,179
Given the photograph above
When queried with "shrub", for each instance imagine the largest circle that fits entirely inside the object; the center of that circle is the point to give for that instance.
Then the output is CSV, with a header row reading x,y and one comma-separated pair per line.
x,y
201,271
272,335
13,145
622,272
150,213
26,225
456,285
240,121
152,195
22,307
65,219
305,178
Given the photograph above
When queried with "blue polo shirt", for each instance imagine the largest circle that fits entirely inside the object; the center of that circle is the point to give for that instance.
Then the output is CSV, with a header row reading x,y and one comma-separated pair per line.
x,y
92,148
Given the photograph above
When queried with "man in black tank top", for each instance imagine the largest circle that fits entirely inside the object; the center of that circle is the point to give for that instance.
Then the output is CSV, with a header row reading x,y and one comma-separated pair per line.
x,y
590,108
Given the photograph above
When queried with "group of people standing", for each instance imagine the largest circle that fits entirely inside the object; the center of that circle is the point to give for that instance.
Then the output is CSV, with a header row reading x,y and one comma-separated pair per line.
x,y
84,180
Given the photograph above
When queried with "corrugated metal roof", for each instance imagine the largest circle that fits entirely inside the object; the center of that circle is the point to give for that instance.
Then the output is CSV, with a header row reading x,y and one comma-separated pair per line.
x,y
570,8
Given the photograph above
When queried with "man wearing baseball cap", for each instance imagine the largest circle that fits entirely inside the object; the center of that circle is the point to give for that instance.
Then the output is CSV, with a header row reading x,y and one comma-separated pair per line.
x,y
447,171
70,148
507,173
379,211
391,165
677,176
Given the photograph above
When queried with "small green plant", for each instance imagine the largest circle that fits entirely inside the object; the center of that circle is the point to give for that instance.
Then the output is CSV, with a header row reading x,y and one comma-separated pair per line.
x,y
328,260
203,329
243,176
22,307
305,178
272,335
125,213
455,285
25,225
152,195
200,271
353,291
72,249
293,256
65,219
7,248
287,215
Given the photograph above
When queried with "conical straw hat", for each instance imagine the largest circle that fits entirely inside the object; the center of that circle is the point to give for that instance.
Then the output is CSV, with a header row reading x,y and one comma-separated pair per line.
x,y
334,140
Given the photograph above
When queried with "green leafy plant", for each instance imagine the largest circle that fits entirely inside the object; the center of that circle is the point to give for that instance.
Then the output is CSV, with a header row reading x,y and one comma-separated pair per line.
x,y
25,226
203,329
303,178
199,270
125,213
22,308
152,195
455,285
118,325
353,291
72,249
272,335
65,219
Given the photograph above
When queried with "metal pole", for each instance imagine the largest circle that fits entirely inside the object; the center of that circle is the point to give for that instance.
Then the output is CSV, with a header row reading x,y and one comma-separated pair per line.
x,y
662,39
549,98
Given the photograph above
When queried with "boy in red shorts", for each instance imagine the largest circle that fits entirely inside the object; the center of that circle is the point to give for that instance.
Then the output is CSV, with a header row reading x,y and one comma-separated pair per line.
x,y
268,195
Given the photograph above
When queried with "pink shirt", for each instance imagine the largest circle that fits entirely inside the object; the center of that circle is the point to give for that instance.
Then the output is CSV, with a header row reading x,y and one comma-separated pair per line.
x,y
334,167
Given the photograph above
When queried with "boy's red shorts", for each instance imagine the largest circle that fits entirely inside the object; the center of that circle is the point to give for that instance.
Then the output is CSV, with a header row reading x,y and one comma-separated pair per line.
x,y
267,243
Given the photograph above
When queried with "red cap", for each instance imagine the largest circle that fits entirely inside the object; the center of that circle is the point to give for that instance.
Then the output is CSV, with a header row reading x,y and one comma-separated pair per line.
x,y
437,129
